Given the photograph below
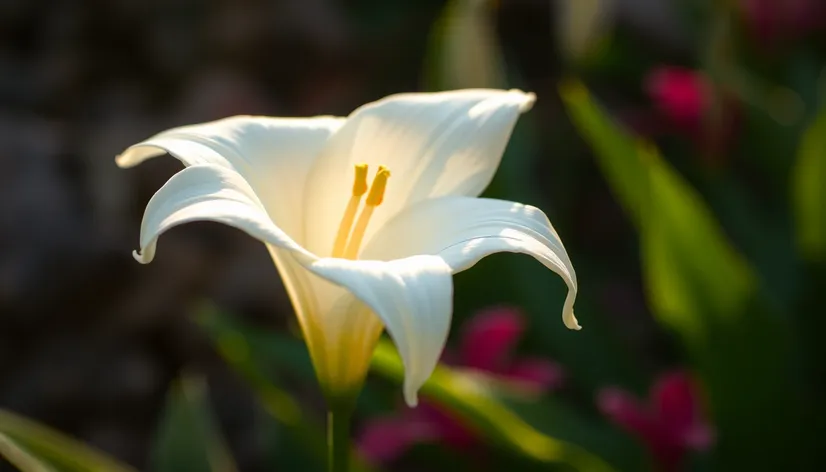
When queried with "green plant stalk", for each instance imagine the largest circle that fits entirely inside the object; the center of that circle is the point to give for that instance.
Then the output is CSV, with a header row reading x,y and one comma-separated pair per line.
x,y
338,439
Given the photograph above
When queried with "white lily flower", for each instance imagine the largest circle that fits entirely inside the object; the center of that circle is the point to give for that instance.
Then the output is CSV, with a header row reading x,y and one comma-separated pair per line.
x,y
356,258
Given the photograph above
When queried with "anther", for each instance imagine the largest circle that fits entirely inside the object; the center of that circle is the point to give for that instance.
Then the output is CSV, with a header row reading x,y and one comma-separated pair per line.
x,y
360,182
376,195
359,189
374,199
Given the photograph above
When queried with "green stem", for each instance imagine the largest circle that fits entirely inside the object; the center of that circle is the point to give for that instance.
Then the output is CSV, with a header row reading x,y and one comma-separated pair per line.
x,y
338,440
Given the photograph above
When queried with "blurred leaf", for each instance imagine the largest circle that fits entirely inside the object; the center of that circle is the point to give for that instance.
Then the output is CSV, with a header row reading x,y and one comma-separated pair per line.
x,y
49,446
554,418
188,438
592,355
612,148
582,24
459,391
20,457
809,191
809,209
702,289
464,50
250,352
477,402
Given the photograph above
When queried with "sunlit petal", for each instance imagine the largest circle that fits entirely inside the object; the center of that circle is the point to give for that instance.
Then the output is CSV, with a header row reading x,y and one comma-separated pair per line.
x,y
286,182
463,230
414,299
208,193
447,143
273,155
412,296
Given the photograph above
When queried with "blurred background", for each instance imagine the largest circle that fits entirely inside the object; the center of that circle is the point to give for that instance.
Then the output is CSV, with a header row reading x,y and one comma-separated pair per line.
x,y
679,148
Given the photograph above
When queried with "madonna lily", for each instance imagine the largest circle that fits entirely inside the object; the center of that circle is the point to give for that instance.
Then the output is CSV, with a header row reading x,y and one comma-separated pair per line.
x,y
366,217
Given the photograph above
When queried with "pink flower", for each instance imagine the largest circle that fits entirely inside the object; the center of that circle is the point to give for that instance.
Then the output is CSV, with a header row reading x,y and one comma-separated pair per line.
x,y
670,425
680,95
683,102
486,345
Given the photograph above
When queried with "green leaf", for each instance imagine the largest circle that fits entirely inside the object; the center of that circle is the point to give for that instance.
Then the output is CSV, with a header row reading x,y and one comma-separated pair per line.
x,y
612,148
20,457
477,402
700,287
51,447
809,191
252,353
592,354
463,50
469,395
188,438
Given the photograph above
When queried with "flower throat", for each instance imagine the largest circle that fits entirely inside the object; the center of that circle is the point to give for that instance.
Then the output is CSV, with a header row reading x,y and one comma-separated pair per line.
x,y
347,243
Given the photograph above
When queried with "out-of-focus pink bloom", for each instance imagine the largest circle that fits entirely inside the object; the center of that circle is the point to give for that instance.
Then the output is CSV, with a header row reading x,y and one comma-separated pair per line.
x,y
680,95
486,345
670,424
684,99
773,20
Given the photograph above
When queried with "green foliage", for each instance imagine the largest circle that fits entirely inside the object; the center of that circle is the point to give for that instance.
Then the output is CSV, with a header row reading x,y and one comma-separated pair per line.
x,y
20,457
188,438
33,447
251,353
700,287
476,399
809,191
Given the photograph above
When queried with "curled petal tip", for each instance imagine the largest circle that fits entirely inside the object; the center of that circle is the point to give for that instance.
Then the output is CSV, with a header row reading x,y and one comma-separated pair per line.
x,y
143,258
122,161
529,100
411,397
571,322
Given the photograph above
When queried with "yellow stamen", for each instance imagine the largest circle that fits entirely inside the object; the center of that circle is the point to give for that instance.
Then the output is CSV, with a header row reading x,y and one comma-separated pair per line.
x,y
359,189
360,182
376,195
374,199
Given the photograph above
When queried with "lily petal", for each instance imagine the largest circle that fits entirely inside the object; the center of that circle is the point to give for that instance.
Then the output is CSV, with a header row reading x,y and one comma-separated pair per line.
x,y
340,331
274,155
413,296
435,144
209,193
472,228
414,299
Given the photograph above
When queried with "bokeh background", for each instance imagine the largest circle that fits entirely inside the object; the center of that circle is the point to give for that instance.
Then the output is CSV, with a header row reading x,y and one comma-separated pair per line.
x,y
679,147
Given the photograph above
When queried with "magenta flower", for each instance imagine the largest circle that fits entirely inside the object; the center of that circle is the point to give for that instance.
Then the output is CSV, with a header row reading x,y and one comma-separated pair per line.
x,y
683,100
670,425
487,344
680,95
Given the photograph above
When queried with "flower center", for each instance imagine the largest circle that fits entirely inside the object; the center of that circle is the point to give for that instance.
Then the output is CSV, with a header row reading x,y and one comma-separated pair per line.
x,y
343,246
